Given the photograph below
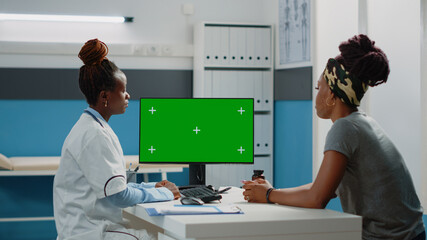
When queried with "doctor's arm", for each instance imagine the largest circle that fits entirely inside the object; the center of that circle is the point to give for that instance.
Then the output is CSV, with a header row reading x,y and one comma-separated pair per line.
x,y
313,195
135,193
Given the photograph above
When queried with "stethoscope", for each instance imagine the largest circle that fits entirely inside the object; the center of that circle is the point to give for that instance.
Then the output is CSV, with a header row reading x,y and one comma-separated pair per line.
x,y
93,116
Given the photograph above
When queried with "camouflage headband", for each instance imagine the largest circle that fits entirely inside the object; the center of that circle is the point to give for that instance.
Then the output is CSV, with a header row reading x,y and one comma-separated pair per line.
x,y
343,84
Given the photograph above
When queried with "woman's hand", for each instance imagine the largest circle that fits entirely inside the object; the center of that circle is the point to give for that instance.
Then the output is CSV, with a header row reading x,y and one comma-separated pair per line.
x,y
256,191
171,186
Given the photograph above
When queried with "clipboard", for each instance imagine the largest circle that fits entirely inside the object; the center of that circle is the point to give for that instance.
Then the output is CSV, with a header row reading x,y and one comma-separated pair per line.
x,y
193,210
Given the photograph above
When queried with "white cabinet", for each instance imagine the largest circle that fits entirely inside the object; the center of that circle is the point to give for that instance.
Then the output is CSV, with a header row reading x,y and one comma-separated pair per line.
x,y
235,61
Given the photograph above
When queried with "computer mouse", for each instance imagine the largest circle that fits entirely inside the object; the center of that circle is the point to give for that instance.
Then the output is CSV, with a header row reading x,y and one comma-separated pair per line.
x,y
191,201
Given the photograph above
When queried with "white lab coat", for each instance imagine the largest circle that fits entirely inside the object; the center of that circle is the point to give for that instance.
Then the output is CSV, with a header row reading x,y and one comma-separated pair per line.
x,y
92,167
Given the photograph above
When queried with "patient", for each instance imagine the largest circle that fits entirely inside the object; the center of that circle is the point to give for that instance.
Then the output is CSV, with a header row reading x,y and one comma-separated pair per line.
x,y
360,162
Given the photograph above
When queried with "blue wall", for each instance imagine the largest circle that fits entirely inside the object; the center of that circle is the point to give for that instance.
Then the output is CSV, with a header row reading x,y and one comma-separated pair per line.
x,y
39,128
293,146
292,143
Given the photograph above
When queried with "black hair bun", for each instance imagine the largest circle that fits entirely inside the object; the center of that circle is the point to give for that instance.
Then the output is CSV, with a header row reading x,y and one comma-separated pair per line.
x,y
363,59
93,52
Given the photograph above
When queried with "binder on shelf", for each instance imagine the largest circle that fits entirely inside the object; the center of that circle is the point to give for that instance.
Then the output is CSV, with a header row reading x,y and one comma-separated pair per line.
x,y
267,90
234,39
224,46
259,47
266,35
250,46
241,46
258,149
245,85
208,48
258,85
216,45
207,88
266,126
224,85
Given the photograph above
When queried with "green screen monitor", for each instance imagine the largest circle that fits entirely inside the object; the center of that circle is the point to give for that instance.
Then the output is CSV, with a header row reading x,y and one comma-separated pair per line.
x,y
196,130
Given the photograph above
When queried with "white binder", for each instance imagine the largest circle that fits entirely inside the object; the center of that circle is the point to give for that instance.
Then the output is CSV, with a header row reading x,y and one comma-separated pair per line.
x,y
259,47
267,91
258,86
257,135
224,46
208,84
224,85
208,48
245,84
250,46
234,46
266,127
216,45
266,35
241,46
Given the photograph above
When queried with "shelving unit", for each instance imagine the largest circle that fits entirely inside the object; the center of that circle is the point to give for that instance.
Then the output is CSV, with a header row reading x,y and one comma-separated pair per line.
x,y
235,60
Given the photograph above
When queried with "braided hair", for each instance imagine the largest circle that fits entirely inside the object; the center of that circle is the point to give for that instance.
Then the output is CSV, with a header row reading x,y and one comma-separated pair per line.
x,y
98,73
363,59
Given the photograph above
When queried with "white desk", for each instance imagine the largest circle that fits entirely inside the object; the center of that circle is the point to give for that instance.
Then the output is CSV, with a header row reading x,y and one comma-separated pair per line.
x,y
259,221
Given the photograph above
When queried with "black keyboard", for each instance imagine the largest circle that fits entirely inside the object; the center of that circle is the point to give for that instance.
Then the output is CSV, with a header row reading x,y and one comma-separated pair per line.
x,y
204,193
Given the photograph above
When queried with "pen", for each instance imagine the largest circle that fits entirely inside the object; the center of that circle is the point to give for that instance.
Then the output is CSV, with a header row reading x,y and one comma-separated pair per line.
x,y
136,169
130,164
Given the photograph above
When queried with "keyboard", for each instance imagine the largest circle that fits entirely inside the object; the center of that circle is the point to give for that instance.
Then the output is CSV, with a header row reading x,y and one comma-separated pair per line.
x,y
203,192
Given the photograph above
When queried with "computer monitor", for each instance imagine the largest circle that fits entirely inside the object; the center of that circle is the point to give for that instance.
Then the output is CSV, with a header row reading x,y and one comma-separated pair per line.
x,y
196,130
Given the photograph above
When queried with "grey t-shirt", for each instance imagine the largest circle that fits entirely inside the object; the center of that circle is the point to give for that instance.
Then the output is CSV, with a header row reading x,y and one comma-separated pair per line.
x,y
376,184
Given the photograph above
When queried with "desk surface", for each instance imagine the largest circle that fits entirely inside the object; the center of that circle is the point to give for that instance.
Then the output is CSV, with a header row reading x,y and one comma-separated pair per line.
x,y
259,221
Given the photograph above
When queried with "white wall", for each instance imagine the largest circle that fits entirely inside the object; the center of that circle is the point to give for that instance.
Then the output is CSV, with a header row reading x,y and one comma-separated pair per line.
x,y
155,22
424,99
331,27
395,105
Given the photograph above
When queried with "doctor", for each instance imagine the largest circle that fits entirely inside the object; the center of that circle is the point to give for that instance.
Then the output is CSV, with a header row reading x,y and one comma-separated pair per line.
x,y
90,187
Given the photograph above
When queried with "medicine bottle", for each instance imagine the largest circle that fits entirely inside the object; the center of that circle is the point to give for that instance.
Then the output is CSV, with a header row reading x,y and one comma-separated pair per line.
x,y
258,174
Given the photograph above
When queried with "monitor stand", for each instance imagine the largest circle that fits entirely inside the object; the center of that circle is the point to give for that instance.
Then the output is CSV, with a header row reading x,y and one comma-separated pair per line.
x,y
197,174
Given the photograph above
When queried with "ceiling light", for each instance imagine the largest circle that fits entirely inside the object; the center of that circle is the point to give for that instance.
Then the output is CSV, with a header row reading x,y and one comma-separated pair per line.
x,y
63,18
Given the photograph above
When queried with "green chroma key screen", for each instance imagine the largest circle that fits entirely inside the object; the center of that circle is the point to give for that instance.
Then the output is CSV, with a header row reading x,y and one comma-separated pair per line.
x,y
197,130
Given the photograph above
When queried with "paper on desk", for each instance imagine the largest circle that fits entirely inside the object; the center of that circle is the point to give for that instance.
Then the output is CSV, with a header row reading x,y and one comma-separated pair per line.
x,y
192,210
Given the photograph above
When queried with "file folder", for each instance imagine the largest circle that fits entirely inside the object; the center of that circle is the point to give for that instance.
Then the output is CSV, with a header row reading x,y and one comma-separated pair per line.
x,y
193,210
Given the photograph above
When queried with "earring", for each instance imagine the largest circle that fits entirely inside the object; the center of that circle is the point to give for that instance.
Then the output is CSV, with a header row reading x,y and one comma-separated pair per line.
x,y
330,104
106,103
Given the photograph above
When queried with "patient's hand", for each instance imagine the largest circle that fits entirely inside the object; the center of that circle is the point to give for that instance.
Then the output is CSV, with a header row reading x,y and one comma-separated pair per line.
x,y
161,183
255,191
171,186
